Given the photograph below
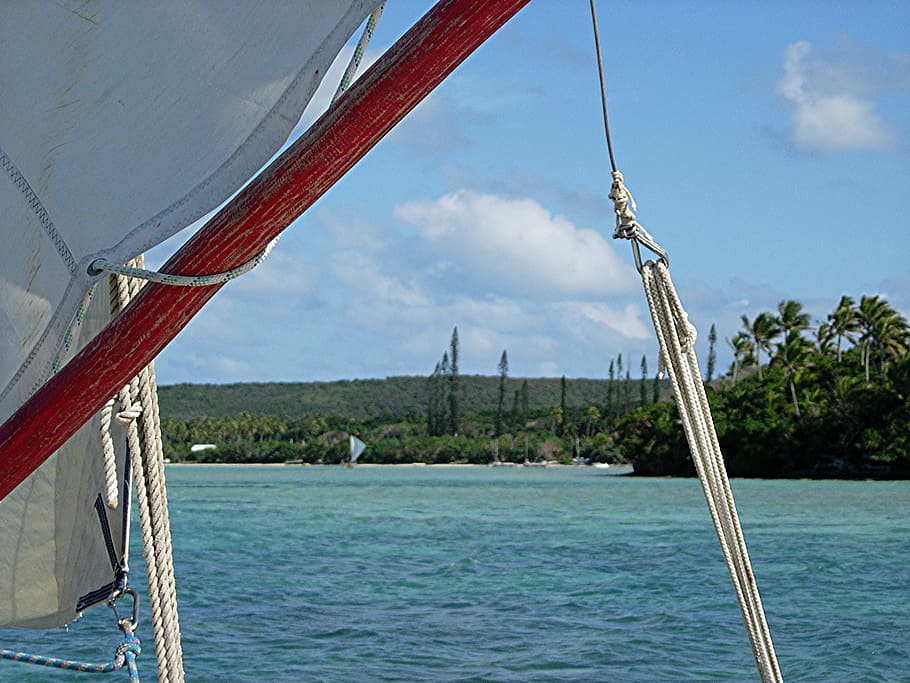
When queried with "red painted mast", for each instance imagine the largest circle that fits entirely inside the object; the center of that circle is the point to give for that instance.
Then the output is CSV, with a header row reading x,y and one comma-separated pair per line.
x,y
378,100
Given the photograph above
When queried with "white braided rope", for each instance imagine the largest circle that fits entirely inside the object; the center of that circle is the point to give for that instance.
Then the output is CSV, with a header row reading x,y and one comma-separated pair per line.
x,y
140,273
140,411
112,489
677,344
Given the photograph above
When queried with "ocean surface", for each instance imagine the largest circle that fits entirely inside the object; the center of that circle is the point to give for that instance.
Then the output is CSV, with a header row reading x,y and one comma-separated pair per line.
x,y
511,574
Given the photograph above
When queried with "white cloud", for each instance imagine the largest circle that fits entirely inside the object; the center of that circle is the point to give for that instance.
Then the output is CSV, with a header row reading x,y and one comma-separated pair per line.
x,y
626,322
516,247
827,112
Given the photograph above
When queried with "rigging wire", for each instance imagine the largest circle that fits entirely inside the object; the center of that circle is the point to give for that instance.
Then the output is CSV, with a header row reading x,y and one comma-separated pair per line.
x,y
603,89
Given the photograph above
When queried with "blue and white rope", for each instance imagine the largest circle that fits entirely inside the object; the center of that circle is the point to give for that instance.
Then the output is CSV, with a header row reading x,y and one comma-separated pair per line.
x,y
127,652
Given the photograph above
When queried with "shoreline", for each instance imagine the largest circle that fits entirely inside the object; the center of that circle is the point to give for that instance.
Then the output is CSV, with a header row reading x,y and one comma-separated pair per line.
x,y
397,464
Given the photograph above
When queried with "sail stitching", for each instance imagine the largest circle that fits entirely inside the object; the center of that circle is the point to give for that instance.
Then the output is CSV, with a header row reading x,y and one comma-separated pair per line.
x,y
38,208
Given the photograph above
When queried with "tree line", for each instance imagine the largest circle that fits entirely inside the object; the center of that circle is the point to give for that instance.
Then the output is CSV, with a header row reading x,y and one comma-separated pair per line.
x,y
824,400
797,400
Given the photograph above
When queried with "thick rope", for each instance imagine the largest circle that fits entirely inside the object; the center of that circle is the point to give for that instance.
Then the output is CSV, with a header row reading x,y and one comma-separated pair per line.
x,y
677,343
112,488
127,652
140,409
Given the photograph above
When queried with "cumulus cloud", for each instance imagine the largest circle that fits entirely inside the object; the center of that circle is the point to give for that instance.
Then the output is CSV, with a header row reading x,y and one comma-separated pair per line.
x,y
627,321
516,247
828,108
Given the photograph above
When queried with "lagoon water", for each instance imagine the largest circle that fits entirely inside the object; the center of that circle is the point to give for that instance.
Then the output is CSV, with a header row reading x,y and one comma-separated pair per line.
x,y
512,574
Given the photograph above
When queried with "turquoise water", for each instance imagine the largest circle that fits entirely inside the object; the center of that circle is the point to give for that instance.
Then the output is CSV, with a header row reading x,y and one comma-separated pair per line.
x,y
513,574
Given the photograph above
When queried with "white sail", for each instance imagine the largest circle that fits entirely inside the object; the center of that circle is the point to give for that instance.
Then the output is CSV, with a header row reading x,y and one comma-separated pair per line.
x,y
121,124
357,447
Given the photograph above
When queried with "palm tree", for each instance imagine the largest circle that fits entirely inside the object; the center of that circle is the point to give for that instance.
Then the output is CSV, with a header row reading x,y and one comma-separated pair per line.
x,y
824,338
790,317
883,330
743,352
794,356
593,419
844,322
762,331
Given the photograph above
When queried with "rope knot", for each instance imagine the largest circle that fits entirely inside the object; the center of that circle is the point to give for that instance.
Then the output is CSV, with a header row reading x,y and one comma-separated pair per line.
x,y
129,413
626,223
129,644
687,333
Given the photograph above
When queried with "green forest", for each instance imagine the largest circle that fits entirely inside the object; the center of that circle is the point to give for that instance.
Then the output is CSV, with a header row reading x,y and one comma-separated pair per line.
x,y
829,400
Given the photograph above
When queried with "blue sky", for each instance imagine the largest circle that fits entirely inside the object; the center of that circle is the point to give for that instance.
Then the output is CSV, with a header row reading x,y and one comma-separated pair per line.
x,y
767,146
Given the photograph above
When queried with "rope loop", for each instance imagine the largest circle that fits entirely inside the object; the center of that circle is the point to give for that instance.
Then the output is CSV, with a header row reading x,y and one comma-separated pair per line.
x,y
100,265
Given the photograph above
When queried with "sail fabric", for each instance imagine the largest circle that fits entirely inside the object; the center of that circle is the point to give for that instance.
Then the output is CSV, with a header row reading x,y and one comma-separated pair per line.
x,y
52,547
357,447
121,124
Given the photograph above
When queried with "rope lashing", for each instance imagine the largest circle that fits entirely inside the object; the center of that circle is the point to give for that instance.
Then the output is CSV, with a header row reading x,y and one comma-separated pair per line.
x,y
101,265
126,653
627,226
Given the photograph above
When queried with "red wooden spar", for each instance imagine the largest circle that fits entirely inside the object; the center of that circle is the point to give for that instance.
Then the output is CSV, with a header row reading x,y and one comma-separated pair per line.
x,y
378,100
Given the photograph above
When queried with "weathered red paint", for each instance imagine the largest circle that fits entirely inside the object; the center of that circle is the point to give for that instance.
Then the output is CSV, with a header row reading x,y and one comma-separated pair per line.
x,y
380,98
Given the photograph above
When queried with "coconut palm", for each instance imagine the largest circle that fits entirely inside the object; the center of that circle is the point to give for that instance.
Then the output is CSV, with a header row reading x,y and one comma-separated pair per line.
x,y
884,331
743,352
791,318
844,322
762,331
794,356
825,337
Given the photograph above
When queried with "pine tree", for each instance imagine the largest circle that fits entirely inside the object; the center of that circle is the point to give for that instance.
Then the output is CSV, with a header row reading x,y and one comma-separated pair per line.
x,y
453,384
627,392
712,352
611,393
524,402
562,406
643,385
503,373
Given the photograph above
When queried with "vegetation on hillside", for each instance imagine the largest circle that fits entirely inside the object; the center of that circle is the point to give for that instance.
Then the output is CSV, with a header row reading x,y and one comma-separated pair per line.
x,y
829,400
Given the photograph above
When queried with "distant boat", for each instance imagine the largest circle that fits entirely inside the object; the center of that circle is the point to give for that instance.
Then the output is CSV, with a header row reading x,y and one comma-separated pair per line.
x,y
357,447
